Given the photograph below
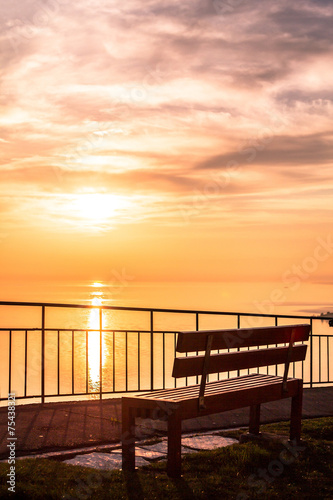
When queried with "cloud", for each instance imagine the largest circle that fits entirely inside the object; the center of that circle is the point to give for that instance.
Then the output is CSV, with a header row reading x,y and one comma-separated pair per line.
x,y
56,179
274,151
152,98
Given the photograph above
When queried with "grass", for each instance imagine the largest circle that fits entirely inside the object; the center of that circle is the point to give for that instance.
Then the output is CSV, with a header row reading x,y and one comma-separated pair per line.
x,y
264,470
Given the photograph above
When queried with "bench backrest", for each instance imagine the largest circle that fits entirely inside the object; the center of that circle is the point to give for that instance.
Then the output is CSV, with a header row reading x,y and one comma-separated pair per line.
x,y
208,340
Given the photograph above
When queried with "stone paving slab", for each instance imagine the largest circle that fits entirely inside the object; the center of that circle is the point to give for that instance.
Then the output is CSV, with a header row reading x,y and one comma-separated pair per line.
x,y
161,447
103,461
148,452
207,442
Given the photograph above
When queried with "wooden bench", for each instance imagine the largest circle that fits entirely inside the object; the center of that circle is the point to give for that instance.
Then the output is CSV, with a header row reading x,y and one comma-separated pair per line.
x,y
175,405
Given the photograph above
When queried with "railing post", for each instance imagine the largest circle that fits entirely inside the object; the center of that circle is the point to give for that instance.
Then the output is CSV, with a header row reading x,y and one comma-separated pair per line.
x,y
58,362
100,352
311,353
10,363
197,329
73,375
276,366
43,356
328,358
151,350
25,362
238,348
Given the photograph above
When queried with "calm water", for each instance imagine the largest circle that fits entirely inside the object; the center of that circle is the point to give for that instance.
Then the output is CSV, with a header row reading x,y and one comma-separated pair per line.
x,y
308,298
239,297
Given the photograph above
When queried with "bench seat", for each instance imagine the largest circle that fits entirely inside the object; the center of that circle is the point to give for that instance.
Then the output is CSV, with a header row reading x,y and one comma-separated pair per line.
x,y
231,394
243,382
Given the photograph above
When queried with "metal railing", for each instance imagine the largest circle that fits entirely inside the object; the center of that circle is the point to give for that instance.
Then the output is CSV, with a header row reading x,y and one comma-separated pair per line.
x,y
143,352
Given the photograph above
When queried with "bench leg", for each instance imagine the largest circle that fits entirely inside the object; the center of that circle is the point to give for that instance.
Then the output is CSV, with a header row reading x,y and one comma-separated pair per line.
x,y
174,445
254,419
128,437
296,414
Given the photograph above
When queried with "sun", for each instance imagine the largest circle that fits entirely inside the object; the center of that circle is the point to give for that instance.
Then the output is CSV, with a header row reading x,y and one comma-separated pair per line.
x,y
97,207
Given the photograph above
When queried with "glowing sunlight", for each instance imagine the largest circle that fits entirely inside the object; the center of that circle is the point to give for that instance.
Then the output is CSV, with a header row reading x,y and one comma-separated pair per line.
x,y
97,207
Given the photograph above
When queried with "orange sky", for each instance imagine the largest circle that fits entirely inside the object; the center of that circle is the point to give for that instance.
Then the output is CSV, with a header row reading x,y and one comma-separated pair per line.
x,y
178,141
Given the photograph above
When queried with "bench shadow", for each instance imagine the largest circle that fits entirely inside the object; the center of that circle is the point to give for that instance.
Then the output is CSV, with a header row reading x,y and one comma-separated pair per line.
x,y
135,491
183,488
133,485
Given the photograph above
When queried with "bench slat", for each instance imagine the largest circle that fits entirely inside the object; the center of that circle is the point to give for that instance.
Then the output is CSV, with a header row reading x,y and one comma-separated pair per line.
x,y
211,387
242,337
194,388
192,365
239,398
219,387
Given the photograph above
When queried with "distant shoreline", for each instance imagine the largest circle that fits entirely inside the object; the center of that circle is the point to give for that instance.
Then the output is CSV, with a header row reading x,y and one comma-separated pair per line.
x,y
327,315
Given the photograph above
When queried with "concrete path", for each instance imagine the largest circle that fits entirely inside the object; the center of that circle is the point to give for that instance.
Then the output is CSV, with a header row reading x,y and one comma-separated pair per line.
x,y
65,426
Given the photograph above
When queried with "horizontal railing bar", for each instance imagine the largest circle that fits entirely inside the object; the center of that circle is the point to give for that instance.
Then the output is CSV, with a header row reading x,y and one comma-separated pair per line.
x,y
84,330
321,383
162,310
323,335
116,331
78,394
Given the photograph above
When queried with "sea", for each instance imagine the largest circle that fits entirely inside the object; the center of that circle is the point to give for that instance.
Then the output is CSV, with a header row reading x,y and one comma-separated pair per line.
x,y
72,341
248,297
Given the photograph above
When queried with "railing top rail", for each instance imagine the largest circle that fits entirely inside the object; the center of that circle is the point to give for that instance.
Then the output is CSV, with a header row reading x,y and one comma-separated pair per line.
x,y
111,330
107,330
159,310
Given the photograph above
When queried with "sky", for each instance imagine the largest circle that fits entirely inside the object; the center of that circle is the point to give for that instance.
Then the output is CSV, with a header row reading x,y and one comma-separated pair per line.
x,y
170,141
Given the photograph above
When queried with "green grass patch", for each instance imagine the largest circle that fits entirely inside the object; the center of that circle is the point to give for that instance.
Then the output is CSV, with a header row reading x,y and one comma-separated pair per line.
x,y
265,470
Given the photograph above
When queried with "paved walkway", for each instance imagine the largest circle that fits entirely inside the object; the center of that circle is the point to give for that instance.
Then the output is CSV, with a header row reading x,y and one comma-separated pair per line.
x,y
64,426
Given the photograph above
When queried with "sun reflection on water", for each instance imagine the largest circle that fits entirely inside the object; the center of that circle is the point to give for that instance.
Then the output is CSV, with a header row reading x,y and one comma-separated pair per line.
x,y
94,346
